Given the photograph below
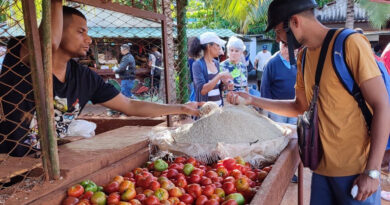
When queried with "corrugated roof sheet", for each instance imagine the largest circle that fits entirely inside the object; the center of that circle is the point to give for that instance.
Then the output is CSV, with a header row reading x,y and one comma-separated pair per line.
x,y
336,12
125,32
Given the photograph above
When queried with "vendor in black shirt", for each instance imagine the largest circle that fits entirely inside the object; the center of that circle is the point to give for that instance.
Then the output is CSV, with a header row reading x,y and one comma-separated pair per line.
x,y
73,86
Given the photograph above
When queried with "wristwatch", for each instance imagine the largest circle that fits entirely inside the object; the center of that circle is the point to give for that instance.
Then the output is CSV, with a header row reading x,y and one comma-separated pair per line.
x,y
374,174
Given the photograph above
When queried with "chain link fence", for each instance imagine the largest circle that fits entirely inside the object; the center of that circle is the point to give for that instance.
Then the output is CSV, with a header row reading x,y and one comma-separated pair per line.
x,y
20,159
110,27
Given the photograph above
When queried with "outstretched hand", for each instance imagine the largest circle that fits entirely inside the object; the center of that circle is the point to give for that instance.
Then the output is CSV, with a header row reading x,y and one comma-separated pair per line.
x,y
191,108
367,186
237,98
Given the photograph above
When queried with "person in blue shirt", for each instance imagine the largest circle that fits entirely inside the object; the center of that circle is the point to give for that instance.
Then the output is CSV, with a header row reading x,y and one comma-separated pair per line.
x,y
278,81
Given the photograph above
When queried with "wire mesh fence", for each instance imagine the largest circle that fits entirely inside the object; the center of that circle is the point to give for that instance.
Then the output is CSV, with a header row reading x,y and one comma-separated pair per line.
x,y
20,160
21,167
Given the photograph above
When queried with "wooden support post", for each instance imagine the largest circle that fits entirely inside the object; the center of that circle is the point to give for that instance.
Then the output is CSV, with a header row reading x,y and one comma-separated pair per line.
x,y
182,49
300,184
165,59
45,125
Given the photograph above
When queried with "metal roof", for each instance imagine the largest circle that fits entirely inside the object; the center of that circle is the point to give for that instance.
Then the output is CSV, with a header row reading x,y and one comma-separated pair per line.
x,y
125,32
336,12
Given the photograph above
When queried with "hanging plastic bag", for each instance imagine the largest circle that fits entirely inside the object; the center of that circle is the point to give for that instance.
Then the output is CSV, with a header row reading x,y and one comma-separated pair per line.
x,y
81,128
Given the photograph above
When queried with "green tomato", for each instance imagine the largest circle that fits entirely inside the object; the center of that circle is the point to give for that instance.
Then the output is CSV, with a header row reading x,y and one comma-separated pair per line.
x,y
99,198
237,197
160,165
91,187
100,188
86,182
188,168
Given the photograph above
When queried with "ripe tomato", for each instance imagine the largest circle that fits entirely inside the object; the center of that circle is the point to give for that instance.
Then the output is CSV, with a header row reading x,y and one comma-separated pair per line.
x,y
187,198
129,194
111,187
267,169
84,202
172,173
205,181
125,185
114,198
182,182
192,161
198,172
137,171
236,173
251,175
229,163
168,185
261,175
87,195
148,192
152,200
194,190
175,192
180,160
242,184
177,166
70,200
129,175
222,171
76,190
201,200
230,202
208,190
229,179
174,200
154,185
212,202
118,178
216,197
135,202
194,178
211,174
228,187
140,197
220,193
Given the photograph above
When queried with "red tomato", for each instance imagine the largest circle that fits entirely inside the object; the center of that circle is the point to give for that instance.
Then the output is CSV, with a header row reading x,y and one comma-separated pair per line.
x,y
267,169
154,185
140,197
212,202
205,181
139,190
172,173
180,175
84,202
114,198
194,178
157,174
220,193
194,190
218,184
236,173
180,160
208,190
216,197
230,202
174,200
118,178
187,198
182,182
198,171
125,185
111,187
201,200
178,166
211,174
229,179
229,163
251,175
70,200
261,175
129,175
152,200
228,187
192,161
135,202
137,171
175,192
76,190
87,195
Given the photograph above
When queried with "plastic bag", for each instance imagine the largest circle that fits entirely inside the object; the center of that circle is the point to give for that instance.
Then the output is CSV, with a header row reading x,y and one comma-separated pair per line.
x,y
81,128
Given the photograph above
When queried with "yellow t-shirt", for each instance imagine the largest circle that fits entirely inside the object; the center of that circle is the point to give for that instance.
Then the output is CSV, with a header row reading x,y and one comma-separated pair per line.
x,y
342,126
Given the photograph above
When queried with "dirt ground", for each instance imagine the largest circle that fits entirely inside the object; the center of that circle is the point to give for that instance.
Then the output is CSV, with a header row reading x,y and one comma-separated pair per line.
x,y
291,195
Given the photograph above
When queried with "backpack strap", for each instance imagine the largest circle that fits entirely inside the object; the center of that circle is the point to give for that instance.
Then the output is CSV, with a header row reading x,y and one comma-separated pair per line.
x,y
345,76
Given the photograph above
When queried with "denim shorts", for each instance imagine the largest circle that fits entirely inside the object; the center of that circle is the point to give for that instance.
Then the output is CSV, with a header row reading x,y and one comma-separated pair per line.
x,y
337,191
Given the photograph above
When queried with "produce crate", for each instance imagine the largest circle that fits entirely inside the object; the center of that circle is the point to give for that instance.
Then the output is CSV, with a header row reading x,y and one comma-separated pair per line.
x,y
116,161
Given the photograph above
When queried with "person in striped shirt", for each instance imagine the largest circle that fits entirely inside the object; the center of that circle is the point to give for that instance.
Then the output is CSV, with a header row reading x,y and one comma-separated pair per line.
x,y
208,80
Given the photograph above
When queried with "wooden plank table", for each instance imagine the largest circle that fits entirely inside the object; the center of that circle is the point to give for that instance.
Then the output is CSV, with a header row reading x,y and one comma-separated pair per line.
x,y
81,158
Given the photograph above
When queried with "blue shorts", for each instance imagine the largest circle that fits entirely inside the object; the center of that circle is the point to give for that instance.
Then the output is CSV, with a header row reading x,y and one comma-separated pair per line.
x,y
337,190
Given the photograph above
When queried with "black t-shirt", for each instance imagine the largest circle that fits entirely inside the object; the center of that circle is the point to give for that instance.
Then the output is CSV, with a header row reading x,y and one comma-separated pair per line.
x,y
18,125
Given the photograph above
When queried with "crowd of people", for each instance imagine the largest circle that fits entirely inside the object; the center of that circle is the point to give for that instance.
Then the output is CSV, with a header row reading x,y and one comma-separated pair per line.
x,y
353,148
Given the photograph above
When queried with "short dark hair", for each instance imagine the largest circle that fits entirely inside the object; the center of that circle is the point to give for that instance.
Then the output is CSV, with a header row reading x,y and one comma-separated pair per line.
x,y
69,11
377,48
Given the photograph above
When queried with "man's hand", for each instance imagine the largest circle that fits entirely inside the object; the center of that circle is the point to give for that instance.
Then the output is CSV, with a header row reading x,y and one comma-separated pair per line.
x,y
367,186
191,108
236,98
225,76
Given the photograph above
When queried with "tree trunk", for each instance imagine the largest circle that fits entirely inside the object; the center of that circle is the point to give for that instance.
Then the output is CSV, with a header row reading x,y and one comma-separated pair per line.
x,y
182,49
349,20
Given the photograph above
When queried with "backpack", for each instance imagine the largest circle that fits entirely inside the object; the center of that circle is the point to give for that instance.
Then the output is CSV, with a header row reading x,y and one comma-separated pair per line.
x,y
158,58
344,74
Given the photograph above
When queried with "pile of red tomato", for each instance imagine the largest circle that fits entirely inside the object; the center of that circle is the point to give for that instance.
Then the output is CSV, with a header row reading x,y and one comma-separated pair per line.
x,y
231,181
